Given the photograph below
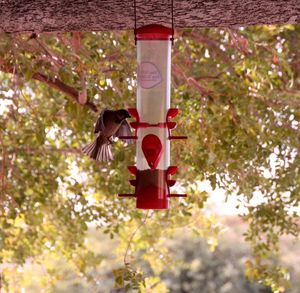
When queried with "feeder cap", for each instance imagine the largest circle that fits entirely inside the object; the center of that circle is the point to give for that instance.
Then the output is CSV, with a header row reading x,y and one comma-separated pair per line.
x,y
154,32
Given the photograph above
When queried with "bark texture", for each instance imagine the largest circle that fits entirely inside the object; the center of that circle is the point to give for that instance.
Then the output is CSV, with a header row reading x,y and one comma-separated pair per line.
x,y
96,15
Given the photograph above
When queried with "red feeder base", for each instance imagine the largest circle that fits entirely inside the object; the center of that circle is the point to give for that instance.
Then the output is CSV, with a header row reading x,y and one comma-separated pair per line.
x,y
152,197
151,189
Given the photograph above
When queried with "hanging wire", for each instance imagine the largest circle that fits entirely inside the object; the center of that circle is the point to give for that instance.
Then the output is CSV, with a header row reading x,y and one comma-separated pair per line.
x,y
134,7
172,14
172,20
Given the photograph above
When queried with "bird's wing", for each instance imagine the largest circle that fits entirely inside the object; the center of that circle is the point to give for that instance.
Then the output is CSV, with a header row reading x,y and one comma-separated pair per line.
x,y
99,127
124,130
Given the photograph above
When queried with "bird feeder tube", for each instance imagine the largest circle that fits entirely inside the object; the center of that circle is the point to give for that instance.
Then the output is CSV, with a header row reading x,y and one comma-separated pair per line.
x,y
153,117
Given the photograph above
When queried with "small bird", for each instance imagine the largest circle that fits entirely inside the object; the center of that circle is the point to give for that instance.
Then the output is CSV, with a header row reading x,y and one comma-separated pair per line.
x,y
110,124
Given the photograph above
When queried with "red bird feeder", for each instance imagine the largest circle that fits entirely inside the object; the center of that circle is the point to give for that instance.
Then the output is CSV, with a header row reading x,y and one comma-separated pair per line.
x,y
153,114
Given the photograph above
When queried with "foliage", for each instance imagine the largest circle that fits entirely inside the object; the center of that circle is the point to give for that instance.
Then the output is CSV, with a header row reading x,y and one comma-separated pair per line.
x,y
239,93
202,270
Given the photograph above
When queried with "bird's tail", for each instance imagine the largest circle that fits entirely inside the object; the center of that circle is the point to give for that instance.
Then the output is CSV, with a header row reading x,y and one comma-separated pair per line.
x,y
99,149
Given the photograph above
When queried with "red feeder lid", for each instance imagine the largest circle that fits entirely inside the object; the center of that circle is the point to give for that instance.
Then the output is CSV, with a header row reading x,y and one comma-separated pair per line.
x,y
154,32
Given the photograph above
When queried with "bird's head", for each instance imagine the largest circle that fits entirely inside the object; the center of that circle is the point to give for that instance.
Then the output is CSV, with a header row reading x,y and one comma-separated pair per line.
x,y
122,114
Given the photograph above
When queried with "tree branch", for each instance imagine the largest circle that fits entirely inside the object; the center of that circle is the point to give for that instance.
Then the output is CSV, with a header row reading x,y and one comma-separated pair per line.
x,y
55,83
100,15
191,81
43,150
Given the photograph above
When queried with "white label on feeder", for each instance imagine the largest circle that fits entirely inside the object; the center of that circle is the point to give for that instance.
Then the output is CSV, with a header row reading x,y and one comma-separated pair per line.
x,y
148,75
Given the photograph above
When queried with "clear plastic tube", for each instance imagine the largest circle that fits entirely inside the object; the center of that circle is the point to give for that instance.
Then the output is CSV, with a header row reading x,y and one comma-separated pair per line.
x,y
153,96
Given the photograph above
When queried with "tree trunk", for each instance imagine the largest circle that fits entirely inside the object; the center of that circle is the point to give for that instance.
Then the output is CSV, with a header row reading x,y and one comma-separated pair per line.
x,y
97,15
